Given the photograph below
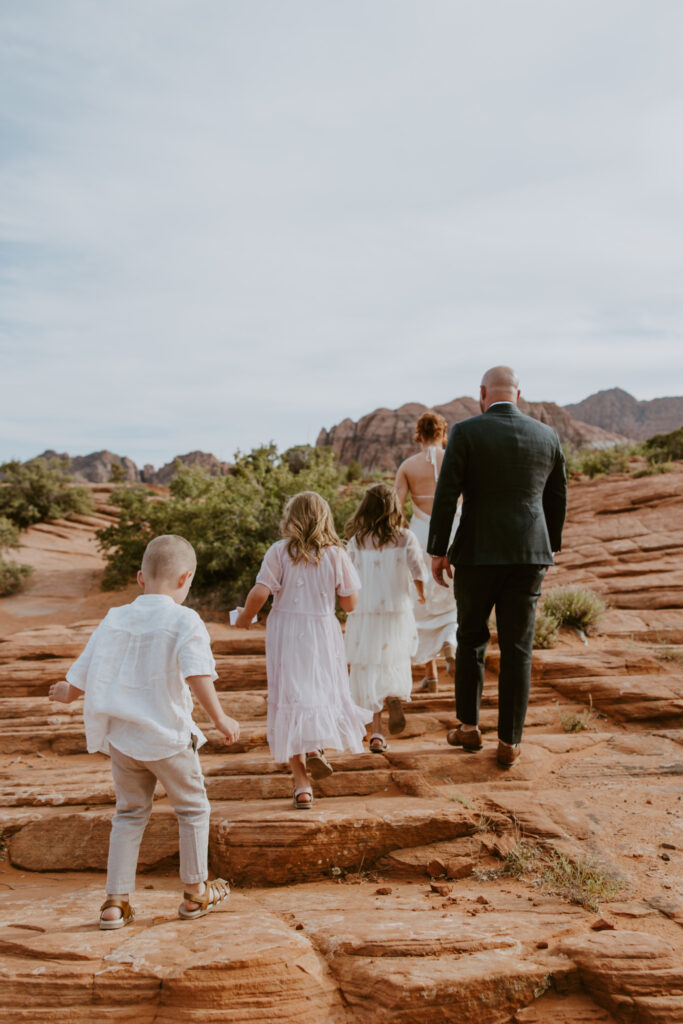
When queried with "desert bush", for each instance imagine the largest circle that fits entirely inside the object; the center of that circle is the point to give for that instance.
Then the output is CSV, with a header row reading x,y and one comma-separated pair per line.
x,y
545,630
652,469
664,447
9,534
230,520
12,576
573,606
594,462
37,490
353,472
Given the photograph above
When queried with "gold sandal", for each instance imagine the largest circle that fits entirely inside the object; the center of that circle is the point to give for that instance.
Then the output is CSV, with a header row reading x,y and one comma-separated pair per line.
x,y
127,913
214,893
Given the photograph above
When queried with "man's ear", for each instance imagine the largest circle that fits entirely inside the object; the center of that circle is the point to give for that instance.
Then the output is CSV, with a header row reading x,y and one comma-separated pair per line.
x,y
182,580
141,579
482,392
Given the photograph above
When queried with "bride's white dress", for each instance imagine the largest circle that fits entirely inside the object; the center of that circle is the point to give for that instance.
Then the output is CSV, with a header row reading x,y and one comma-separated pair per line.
x,y
437,618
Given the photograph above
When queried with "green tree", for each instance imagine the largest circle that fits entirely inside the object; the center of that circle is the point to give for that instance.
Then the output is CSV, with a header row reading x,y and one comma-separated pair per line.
x,y
230,520
37,490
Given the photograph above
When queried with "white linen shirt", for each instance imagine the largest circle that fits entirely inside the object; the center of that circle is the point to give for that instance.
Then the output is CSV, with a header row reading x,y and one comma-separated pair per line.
x,y
133,672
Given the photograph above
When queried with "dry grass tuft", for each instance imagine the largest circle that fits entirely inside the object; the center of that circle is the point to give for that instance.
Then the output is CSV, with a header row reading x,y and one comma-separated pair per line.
x,y
573,606
578,721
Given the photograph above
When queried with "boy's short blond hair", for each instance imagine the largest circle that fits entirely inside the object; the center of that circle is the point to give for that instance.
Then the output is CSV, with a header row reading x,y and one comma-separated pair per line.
x,y
168,557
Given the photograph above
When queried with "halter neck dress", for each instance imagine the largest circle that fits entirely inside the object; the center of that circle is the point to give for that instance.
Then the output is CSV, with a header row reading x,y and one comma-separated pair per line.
x,y
437,618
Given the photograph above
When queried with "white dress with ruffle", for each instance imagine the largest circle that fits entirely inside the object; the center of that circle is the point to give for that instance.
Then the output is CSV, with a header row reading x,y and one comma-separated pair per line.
x,y
380,633
309,701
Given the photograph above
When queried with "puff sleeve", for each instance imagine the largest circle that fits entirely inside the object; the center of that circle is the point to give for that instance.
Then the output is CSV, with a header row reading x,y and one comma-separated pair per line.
x,y
270,573
347,580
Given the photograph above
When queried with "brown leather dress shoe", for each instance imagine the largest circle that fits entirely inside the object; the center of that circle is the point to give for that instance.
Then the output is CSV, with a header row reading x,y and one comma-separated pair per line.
x,y
467,739
507,756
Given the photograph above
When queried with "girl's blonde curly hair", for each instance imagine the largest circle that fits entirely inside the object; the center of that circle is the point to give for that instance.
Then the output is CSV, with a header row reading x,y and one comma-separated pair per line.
x,y
308,527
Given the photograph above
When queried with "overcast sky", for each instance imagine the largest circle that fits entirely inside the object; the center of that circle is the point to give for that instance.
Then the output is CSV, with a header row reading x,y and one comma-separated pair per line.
x,y
231,221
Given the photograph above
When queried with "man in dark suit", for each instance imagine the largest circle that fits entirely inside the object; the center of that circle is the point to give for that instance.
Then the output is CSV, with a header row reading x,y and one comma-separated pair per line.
x,y
510,471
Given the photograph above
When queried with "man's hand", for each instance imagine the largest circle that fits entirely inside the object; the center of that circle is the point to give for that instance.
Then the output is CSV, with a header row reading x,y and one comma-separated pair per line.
x,y
64,692
229,727
441,565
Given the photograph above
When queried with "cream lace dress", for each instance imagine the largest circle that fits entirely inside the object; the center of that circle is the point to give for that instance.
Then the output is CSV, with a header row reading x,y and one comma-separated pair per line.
x,y
380,633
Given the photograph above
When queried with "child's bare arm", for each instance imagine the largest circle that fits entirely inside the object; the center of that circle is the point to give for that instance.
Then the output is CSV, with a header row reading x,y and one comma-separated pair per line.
x,y
256,598
64,692
420,587
348,601
205,692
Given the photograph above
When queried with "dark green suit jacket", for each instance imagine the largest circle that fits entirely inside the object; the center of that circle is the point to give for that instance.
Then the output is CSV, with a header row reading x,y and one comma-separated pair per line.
x,y
510,471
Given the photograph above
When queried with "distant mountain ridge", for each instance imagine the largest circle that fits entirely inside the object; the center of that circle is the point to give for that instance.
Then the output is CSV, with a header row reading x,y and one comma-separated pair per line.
x,y
617,410
383,438
105,466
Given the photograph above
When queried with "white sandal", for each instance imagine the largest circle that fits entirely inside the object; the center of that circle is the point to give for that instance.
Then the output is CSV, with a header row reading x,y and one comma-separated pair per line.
x,y
377,743
302,805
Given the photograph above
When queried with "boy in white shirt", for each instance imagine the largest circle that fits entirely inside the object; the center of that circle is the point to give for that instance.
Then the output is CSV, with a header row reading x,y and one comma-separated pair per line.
x,y
138,710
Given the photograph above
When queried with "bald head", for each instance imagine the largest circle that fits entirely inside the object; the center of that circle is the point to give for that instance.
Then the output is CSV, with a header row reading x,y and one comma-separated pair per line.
x,y
166,558
499,384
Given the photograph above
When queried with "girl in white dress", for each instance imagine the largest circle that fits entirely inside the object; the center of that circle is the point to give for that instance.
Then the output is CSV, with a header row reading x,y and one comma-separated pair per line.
x,y
309,703
380,632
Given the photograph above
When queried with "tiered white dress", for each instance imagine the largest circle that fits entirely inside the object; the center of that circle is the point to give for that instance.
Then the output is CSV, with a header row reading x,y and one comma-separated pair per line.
x,y
437,618
380,633
309,701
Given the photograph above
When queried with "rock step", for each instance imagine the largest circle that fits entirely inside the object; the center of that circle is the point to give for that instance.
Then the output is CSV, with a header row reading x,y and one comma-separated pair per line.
x,y
343,955
249,844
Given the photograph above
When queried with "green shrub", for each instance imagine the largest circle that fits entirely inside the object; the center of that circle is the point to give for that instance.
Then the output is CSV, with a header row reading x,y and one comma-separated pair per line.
x,y
664,447
653,469
594,462
230,520
9,534
12,576
573,606
545,630
37,490
353,472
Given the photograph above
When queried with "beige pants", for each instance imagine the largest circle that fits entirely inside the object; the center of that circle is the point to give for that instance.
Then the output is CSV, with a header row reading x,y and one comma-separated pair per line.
x,y
134,782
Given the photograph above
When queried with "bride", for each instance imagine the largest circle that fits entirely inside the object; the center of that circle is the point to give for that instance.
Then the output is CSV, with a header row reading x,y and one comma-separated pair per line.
x,y
436,618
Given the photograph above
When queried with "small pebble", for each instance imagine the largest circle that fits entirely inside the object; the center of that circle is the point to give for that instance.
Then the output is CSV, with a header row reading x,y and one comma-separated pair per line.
x,y
299,927
601,925
668,846
482,900
383,891
542,945
149,887
441,890
665,856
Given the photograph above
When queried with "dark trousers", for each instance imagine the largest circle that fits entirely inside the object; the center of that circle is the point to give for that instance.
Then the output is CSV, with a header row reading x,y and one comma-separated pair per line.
x,y
514,590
